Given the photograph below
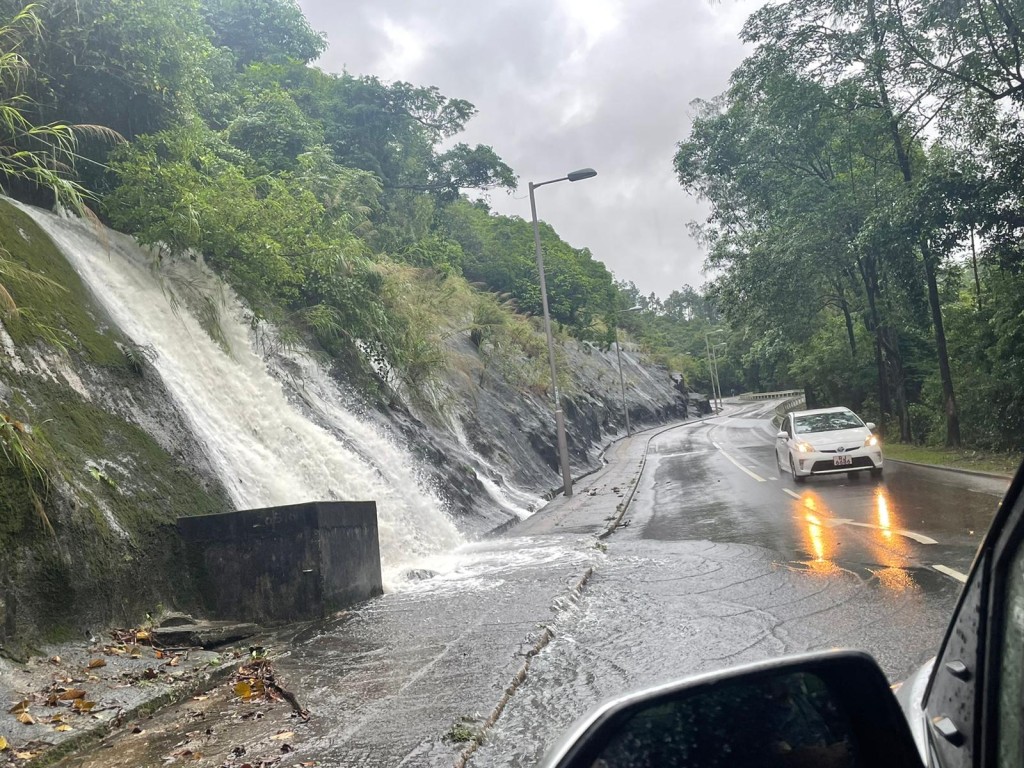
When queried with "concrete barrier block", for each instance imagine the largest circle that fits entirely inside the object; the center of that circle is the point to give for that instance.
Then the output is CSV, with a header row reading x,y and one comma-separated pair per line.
x,y
289,563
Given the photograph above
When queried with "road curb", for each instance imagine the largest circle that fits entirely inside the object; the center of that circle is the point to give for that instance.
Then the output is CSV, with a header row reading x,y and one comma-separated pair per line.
x,y
546,635
636,478
955,470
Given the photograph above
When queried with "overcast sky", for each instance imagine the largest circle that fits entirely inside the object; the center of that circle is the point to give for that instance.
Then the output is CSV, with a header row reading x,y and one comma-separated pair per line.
x,y
559,85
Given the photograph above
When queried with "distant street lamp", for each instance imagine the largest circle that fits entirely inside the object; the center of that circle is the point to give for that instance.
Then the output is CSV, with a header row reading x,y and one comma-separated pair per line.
x,y
563,445
714,359
618,356
713,368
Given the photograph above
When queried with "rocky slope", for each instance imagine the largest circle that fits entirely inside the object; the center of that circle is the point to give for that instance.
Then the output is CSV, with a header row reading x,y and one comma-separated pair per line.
x,y
119,460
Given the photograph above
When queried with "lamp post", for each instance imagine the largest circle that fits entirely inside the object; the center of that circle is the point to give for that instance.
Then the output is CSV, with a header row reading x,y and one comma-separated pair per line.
x,y
618,357
712,367
563,445
718,379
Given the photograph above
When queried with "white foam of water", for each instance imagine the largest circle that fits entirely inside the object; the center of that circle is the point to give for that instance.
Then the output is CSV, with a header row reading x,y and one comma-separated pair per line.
x,y
265,451
520,503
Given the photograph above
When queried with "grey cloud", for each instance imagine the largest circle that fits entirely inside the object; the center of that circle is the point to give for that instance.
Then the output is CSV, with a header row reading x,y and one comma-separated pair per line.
x,y
514,59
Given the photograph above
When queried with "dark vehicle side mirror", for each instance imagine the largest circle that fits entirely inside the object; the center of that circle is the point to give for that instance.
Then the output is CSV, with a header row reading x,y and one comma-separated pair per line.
x,y
832,709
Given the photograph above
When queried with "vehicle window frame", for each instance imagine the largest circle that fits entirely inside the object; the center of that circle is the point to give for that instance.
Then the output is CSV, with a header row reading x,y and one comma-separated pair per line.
x,y
1006,547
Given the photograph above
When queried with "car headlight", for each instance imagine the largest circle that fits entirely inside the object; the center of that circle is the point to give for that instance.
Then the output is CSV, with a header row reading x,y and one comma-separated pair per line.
x,y
871,441
804,447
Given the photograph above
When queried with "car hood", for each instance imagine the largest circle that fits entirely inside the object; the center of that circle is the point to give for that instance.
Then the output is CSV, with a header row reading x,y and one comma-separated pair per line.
x,y
847,439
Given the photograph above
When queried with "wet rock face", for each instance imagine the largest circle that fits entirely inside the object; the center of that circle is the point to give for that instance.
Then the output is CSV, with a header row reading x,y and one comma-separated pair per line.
x,y
509,434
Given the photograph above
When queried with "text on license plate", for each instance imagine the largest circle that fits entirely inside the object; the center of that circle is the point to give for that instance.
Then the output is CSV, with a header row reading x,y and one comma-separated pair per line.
x,y
842,461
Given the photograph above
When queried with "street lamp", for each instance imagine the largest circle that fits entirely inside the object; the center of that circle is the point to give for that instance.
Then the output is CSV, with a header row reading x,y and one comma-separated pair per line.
x,y
714,359
618,356
712,367
563,445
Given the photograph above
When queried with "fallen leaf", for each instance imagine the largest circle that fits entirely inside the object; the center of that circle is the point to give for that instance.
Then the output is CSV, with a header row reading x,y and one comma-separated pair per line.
x,y
243,690
24,755
97,663
158,654
149,674
174,662
3,744
283,735
51,700
203,697
72,693
63,727
142,635
26,719
18,708
55,659
81,705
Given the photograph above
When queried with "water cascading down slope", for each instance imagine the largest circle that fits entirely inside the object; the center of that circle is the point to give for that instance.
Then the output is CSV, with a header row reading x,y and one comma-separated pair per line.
x,y
266,449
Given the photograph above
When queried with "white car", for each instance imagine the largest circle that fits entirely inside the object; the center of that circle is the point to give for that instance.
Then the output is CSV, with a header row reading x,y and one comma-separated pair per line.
x,y
827,441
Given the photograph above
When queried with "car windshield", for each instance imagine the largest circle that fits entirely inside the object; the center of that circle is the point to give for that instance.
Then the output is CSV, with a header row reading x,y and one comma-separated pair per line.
x,y
484,326
826,422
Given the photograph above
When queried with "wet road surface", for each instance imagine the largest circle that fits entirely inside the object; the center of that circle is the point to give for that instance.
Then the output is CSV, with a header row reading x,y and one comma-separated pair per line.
x,y
724,560
719,560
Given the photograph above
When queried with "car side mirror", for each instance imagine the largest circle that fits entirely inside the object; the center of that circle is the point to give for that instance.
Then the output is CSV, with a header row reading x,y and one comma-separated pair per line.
x,y
830,709
870,425
782,435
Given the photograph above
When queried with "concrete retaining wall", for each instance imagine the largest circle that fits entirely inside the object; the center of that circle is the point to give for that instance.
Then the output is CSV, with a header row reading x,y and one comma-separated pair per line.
x,y
279,564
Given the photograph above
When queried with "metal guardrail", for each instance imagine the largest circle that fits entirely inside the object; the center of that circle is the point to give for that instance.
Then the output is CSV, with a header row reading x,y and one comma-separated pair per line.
x,y
754,396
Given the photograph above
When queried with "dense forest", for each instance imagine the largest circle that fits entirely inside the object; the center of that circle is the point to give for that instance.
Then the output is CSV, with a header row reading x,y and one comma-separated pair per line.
x,y
862,174
201,126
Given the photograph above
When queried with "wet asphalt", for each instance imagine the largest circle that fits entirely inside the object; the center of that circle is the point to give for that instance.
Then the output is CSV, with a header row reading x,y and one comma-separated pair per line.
x,y
717,560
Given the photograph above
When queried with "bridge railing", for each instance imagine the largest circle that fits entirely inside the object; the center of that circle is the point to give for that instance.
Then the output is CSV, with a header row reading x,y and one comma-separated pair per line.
x,y
786,393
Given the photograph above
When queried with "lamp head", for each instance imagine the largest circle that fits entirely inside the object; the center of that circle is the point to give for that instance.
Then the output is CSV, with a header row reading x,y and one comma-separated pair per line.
x,y
582,173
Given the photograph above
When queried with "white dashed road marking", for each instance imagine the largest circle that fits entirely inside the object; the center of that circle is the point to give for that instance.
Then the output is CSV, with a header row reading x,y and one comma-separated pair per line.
x,y
961,577
737,464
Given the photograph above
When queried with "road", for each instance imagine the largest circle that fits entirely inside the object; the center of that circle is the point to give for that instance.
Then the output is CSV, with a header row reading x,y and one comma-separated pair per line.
x,y
718,560
723,560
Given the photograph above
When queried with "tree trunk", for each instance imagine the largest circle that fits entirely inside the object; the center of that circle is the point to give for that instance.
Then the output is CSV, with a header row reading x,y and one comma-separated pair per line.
x,y
948,396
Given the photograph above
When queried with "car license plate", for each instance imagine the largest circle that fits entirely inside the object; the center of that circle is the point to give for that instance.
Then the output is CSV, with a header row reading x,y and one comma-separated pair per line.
x,y
842,461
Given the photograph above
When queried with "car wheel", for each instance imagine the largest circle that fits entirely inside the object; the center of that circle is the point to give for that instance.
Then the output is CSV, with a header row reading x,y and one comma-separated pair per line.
x,y
792,468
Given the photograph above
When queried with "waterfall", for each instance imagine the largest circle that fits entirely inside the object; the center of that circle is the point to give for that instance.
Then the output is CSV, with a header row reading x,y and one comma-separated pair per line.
x,y
266,449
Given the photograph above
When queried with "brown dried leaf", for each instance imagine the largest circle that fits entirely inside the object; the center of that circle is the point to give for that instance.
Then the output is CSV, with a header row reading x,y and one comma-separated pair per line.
x,y
55,659
3,744
18,708
63,727
243,690
24,755
26,719
97,663
174,662
72,693
81,705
